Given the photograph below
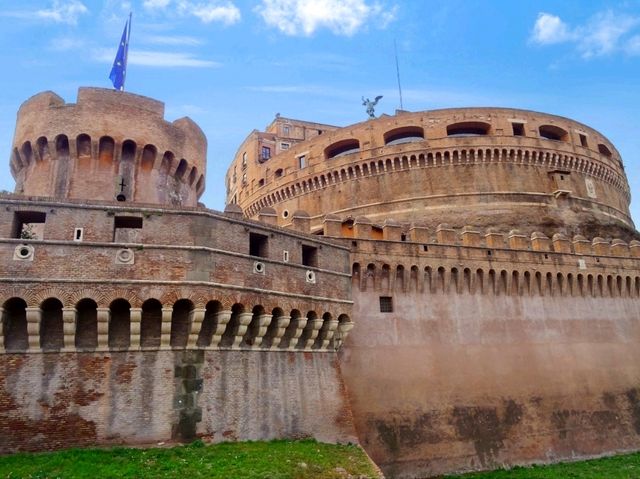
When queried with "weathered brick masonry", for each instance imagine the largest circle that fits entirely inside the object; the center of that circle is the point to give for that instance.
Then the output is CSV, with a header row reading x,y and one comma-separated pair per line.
x,y
496,280
132,314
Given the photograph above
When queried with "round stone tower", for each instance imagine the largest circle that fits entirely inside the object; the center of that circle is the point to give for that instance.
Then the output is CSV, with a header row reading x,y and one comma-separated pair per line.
x,y
109,145
487,167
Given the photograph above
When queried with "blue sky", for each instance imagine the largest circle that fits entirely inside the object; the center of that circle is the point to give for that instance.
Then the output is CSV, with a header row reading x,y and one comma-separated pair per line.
x,y
232,65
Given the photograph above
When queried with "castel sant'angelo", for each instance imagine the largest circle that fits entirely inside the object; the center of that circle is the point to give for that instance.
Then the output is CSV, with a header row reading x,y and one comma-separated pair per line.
x,y
454,290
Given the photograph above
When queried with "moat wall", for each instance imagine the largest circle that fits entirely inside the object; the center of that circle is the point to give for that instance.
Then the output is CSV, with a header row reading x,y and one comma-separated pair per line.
x,y
56,400
459,381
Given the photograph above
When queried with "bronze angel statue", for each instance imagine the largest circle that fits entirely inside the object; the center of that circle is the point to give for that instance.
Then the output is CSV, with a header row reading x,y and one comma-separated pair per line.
x,y
370,105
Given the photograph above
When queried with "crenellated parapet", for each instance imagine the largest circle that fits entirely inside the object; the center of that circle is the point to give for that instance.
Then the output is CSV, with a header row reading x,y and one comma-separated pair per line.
x,y
109,145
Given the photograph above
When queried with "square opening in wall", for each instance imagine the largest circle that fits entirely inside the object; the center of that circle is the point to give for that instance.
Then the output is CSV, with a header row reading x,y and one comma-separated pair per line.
x,y
386,304
518,129
310,256
127,229
29,224
258,245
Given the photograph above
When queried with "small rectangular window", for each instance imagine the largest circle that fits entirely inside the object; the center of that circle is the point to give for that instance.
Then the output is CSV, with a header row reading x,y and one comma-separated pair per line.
x,y
258,245
126,229
309,256
284,146
265,154
285,256
583,140
78,233
302,162
285,130
29,224
386,304
518,129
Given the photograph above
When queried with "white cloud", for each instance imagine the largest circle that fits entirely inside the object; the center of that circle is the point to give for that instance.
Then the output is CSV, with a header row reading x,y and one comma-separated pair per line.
x,y
150,58
342,17
171,40
63,11
212,11
549,29
603,34
155,4
207,11
62,44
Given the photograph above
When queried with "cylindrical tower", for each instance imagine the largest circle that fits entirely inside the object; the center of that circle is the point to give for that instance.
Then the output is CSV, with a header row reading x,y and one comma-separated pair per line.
x,y
488,167
109,145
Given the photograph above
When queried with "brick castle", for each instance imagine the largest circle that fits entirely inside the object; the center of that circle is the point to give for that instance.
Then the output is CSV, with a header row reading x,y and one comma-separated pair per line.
x,y
453,289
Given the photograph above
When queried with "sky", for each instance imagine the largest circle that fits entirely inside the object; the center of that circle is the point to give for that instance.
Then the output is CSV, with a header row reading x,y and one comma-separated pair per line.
x,y
232,65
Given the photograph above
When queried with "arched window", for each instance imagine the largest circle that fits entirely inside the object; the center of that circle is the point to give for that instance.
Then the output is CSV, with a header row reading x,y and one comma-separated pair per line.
x,y
120,324
552,132
51,330
149,153
180,323
151,324
468,128
83,145
604,150
182,168
87,325
14,325
406,134
341,148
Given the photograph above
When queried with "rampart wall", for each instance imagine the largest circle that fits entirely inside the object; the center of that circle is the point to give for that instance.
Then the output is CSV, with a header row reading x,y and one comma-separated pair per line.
x,y
138,324
477,350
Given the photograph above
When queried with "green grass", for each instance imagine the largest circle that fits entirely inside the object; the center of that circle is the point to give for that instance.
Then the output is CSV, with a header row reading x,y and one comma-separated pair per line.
x,y
617,467
246,460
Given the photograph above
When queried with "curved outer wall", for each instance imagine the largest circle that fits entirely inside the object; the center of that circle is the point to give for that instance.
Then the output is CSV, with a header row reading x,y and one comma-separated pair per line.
x,y
508,177
108,145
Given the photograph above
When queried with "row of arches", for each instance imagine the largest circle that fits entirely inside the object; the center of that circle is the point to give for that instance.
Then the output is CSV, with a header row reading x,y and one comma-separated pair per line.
x,y
84,326
432,280
446,157
106,151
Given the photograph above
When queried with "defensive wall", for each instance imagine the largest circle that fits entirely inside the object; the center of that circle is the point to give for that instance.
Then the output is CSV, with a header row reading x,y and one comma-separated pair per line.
x,y
138,324
489,167
108,145
479,348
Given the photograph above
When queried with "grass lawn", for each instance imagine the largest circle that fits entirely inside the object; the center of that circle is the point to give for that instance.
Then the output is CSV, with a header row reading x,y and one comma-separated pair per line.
x,y
617,467
246,460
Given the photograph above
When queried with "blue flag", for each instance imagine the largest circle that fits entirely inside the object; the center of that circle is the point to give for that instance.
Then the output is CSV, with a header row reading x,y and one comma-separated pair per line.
x,y
119,70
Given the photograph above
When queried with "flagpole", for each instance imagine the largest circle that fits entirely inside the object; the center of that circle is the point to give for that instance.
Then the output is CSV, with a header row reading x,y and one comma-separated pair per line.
x,y
126,52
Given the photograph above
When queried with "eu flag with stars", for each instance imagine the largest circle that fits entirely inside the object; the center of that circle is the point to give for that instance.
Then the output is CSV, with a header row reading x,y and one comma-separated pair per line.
x,y
119,70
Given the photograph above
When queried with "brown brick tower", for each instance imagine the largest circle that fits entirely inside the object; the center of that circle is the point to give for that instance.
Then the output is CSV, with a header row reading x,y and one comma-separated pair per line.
x,y
108,145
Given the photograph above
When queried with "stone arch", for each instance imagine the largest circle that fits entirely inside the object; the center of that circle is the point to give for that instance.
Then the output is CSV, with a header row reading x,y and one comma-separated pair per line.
x,y
51,325
27,153
120,324
106,150
148,160
83,146
14,325
151,324
86,338
209,323
42,147
180,323
233,326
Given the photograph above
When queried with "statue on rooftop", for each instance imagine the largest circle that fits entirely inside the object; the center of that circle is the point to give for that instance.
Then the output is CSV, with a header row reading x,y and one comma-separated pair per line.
x,y
370,105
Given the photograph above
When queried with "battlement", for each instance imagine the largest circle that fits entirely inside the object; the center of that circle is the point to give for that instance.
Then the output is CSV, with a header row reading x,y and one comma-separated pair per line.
x,y
108,145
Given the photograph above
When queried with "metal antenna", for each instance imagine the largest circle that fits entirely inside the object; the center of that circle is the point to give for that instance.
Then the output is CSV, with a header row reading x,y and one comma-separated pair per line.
x,y
395,49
